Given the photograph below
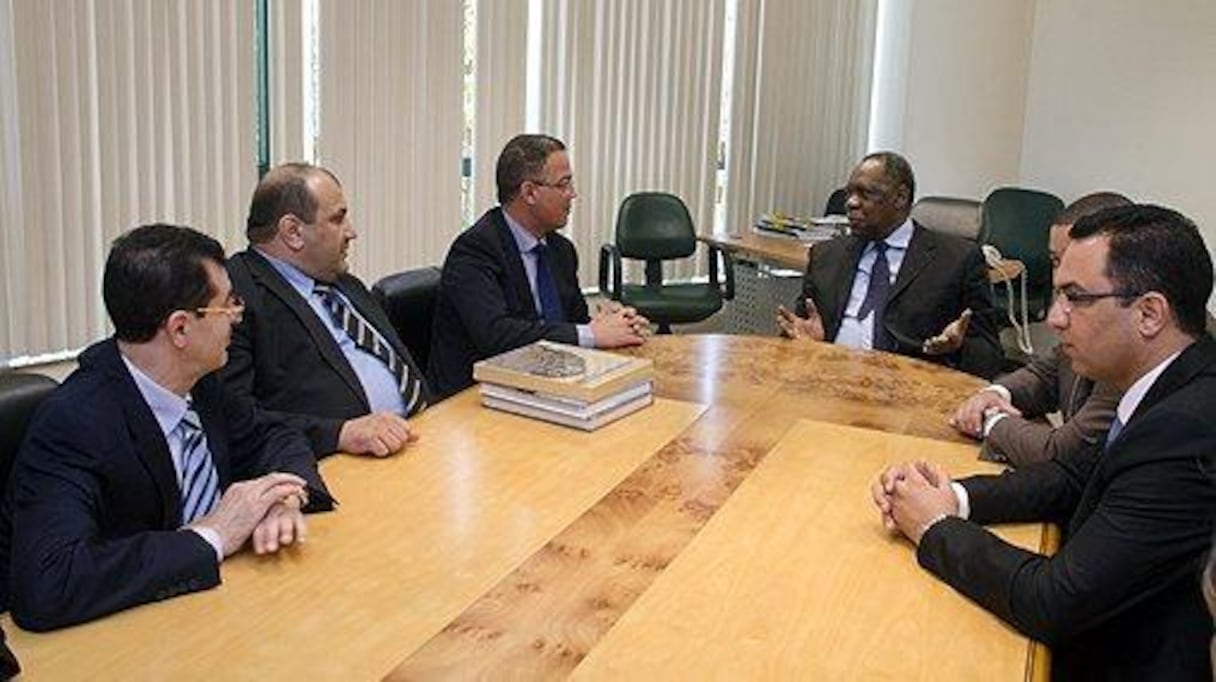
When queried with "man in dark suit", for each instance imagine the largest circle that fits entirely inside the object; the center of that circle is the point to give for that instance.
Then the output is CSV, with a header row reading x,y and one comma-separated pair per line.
x,y
314,348
140,473
1121,598
932,300
511,279
1007,414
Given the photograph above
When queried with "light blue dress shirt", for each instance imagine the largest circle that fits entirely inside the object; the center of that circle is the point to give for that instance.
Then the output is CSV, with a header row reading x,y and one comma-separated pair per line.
x,y
859,333
525,241
168,408
379,384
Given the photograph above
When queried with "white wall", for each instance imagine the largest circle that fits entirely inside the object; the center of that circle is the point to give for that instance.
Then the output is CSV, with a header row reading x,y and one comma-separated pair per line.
x,y
954,81
1064,95
1122,95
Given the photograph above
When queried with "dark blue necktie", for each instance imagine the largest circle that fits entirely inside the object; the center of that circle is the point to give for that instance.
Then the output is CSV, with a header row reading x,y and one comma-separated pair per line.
x,y
546,289
1116,427
876,295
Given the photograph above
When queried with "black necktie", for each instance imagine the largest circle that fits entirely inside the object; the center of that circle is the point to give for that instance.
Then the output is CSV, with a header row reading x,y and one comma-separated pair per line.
x,y
876,295
368,339
546,289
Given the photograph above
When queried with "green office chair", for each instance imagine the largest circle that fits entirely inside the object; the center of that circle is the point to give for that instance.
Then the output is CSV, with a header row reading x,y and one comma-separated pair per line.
x,y
1017,222
654,227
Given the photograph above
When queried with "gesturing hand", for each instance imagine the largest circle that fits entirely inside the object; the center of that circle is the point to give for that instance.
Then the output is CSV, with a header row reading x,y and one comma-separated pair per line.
x,y
794,327
950,339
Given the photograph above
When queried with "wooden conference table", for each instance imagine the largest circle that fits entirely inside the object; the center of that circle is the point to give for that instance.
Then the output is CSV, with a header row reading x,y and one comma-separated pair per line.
x,y
724,532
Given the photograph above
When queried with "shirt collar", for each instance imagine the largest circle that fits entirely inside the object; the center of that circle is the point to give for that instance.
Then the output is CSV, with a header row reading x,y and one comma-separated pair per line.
x,y
167,406
525,241
1131,399
902,235
296,277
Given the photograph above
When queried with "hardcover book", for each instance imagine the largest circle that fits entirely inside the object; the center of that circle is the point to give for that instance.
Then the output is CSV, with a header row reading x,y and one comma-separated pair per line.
x,y
563,371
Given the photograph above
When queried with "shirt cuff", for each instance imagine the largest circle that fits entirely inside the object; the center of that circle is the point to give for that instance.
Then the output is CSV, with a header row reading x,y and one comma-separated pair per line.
x,y
991,417
999,390
585,338
213,538
964,502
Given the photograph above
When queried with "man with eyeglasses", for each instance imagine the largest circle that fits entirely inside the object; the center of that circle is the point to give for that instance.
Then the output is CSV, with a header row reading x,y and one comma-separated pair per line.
x,y
315,349
141,473
1007,415
1120,598
893,285
511,279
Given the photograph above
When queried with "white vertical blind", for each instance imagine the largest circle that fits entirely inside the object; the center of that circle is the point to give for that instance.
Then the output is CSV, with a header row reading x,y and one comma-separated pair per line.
x,y
502,42
633,88
390,126
801,103
115,114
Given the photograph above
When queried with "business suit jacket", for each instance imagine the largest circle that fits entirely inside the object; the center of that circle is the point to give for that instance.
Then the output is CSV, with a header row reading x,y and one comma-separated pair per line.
x,y
941,276
1121,598
485,304
90,521
1047,384
285,358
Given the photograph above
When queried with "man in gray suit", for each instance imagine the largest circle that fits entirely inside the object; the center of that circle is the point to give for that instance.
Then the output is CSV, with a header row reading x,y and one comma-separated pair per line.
x,y
1007,414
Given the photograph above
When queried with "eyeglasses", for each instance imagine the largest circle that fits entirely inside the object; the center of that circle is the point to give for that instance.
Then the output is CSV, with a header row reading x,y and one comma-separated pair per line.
x,y
1070,298
565,185
236,310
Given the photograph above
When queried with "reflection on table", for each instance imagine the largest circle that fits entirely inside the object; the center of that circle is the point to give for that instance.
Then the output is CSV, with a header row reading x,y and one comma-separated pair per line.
x,y
503,547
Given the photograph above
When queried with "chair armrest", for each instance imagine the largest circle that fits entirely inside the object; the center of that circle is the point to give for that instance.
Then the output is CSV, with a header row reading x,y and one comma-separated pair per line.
x,y
610,260
728,263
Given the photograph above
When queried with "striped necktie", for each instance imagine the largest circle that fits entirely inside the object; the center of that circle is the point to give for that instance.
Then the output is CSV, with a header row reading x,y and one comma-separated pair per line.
x,y
199,483
366,338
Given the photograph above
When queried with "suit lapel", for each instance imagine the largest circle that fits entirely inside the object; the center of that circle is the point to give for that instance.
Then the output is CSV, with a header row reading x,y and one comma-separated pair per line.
x,y
921,251
841,272
150,445
264,274
517,276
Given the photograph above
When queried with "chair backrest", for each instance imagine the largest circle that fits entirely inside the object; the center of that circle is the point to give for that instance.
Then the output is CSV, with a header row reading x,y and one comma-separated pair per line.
x,y
20,395
1018,222
950,215
654,226
836,202
408,298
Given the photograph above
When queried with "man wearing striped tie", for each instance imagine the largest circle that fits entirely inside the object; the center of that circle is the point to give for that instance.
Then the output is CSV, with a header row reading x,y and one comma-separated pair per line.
x,y
140,474
314,348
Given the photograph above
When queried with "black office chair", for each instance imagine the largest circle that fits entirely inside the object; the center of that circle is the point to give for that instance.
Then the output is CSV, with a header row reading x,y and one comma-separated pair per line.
x,y
1017,222
20,395
654,227
408,298
837,202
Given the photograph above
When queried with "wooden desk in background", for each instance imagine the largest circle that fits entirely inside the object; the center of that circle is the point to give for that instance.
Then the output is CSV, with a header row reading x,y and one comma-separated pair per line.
x,y
501,547
791,253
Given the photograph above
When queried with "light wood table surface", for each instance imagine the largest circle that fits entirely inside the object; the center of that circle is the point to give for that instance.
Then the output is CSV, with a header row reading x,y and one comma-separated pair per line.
x,y
793,579
500,547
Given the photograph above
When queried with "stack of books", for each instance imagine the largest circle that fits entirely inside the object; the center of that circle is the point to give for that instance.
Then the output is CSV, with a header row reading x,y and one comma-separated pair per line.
x,y
802,229
568,385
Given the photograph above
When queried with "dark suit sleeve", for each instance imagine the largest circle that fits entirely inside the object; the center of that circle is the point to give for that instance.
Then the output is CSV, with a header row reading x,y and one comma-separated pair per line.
x,y
1132,545
240,373
64,569
261,444
981,353
474,279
